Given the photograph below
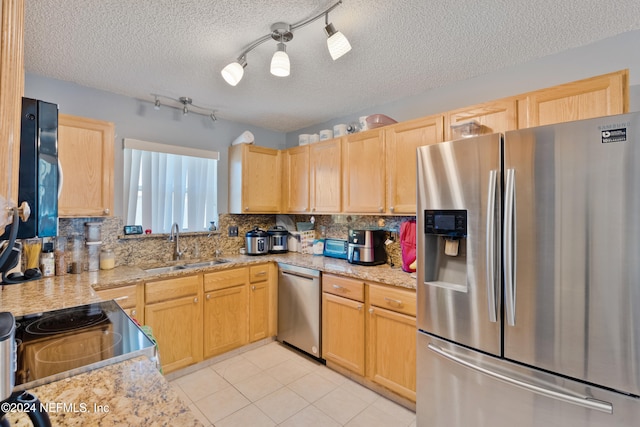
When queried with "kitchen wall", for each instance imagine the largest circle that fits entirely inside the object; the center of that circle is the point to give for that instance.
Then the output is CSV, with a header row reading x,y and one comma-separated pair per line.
x,y
606,56
138,120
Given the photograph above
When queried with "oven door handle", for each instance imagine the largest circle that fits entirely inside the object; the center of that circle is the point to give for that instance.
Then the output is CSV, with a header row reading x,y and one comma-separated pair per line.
x,y
584,401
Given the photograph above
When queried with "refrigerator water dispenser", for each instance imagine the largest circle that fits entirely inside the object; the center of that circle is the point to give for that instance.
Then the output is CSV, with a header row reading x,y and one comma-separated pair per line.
x,y
445,245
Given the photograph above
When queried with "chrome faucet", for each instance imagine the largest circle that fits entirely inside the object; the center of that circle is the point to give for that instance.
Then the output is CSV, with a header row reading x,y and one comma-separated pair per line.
x,y
175,231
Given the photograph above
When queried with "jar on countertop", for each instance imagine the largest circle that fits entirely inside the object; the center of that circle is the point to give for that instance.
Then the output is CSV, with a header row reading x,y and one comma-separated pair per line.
x,y
107,259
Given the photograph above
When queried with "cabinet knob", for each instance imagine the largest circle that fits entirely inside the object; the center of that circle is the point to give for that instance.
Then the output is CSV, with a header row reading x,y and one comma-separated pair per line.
x,y
208,297
133,312
195,300
246,208
371,311
360,307
313,209
253,288
380,209
106,211
391,208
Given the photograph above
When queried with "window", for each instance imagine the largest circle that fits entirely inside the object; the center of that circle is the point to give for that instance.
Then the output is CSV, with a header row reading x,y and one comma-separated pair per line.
x,y
166,184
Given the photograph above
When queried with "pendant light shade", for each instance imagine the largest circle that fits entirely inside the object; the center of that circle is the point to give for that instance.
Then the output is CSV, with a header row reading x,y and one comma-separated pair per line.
x,y
280,65
233,72
337,43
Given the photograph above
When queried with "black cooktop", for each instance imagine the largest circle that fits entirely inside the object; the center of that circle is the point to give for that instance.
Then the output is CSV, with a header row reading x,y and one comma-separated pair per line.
x,y
60,343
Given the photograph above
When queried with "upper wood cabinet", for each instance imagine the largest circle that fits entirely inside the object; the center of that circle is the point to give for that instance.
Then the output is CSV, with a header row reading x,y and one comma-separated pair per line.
x,y
584,99
401,141
295,179
254,179
11,91
363,172
493,116
85,151
325,176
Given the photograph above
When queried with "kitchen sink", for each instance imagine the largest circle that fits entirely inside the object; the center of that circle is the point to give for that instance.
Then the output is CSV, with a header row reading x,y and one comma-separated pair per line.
x,y
170,268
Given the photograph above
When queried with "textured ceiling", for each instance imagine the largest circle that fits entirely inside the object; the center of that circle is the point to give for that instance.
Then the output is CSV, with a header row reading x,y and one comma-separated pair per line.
x,y
400,47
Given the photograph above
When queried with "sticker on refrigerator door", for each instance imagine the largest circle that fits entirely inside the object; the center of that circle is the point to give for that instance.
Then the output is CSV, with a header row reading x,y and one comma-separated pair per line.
x,y
614,135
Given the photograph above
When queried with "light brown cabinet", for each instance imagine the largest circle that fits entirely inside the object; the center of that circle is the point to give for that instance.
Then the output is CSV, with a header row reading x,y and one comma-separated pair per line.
x,y
401,141
225,311
380,346
259,301
343,322
325,176
85,151
130,298
391,338
12,84
363,172
493,116
254,179
295,180
594,97
173,310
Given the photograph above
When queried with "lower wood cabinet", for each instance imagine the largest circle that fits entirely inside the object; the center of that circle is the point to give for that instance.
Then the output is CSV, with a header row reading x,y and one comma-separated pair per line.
x,y
391,338
130,298
225,311
259,299
343,320
173,310
380,345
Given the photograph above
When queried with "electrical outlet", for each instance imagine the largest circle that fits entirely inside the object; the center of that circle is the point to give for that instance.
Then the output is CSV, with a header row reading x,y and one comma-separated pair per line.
x,y
233,231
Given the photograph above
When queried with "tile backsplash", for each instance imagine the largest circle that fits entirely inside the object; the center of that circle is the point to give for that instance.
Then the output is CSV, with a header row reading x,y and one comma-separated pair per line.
x,y
156,248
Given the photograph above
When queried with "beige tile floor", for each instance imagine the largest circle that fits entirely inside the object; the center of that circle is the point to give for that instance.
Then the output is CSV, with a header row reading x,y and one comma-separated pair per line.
x,y
273,385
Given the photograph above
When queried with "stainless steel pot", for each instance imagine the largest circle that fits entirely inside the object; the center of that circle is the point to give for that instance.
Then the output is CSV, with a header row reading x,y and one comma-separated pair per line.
x,y
257,242
278,240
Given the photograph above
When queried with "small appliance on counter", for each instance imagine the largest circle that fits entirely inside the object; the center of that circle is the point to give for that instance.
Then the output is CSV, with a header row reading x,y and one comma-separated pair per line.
x,y
10,398
366,247
336,248
278,240
257,242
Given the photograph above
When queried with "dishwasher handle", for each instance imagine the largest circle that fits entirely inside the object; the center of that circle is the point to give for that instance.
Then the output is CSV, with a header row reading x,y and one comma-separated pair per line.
x,y
303,275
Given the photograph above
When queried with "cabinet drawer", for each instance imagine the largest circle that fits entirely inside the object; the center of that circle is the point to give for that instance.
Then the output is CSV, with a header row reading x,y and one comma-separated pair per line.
x,y
259,273
395,299
125,296
225,279
170,289
344,287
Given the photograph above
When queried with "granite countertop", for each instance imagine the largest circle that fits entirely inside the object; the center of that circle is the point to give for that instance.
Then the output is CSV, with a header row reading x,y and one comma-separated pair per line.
x,y
70,290
130,393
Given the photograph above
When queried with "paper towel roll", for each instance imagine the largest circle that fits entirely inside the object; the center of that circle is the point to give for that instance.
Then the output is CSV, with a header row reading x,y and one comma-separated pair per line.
x,y
245,138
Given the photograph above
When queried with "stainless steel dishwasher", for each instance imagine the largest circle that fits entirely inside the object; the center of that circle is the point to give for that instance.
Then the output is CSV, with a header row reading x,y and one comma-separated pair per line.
x,y
299,299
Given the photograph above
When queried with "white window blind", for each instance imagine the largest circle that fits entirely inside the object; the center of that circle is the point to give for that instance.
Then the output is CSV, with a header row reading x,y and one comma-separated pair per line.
x,y
166,184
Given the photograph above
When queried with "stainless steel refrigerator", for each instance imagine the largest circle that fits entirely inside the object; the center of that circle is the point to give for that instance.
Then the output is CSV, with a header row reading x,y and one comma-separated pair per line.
x,y
529,277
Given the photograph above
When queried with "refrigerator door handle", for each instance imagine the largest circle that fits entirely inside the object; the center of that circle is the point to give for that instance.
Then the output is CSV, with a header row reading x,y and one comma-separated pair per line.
x,y
491,246
584,401
509,246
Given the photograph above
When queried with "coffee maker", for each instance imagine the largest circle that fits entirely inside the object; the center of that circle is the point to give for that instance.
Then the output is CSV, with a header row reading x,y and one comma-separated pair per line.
x,y
15,399
366,247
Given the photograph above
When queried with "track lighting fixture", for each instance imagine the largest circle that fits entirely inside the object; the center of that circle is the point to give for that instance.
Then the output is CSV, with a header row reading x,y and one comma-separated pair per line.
x,y
185,104
337,44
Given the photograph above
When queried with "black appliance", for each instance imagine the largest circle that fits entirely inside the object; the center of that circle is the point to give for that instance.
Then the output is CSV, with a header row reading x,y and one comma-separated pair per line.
x,y
61,343
366,247
39,175
278,240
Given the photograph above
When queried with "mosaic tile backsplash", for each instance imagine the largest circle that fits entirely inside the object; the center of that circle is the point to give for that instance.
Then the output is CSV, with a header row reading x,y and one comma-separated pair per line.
x,y
156,248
